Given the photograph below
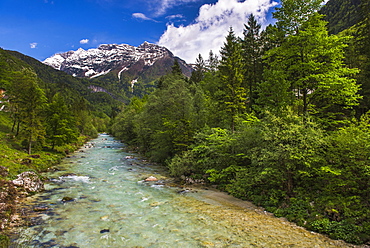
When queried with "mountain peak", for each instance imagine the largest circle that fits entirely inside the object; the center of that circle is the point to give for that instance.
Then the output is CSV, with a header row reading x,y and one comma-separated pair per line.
x,y
107,57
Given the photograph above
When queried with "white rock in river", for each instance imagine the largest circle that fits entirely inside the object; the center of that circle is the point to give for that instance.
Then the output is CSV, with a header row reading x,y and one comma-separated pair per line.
x,y
151,179
30,181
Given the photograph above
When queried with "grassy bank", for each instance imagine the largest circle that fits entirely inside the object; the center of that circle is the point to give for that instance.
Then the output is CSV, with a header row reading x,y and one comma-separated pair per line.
x,y
14,160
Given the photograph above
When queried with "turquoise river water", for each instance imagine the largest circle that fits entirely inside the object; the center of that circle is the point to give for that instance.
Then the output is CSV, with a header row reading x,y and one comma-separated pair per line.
x,y
98,197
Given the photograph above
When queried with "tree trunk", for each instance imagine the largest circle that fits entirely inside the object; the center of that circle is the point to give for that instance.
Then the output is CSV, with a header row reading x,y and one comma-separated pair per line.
x,y
18,125
30,143
305,103
14,122
289,184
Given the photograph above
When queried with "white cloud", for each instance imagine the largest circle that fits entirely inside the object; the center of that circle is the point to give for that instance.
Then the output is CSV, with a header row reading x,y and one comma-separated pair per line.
x,y
210,28
178,16
142,17
33,45
84,41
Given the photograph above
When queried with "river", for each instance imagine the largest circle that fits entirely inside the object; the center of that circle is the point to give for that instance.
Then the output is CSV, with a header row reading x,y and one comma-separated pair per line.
x,y
97,197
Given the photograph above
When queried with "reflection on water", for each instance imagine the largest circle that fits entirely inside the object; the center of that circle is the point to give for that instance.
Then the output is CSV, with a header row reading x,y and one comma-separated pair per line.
x,y
98,198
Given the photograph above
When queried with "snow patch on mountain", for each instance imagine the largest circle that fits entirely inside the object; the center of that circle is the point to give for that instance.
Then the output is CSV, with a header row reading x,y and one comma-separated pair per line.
x,y
100,74
55,61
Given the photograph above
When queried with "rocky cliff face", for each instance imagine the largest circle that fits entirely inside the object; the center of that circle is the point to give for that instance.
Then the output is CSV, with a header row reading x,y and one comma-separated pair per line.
x,y
119,59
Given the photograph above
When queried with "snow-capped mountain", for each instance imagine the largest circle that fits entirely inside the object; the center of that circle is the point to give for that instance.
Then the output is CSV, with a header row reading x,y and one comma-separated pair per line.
x,y
112,58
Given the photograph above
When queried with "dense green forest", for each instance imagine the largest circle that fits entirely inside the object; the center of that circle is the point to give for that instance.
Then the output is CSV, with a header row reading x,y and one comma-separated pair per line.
x,y
43,111
281,118
342,14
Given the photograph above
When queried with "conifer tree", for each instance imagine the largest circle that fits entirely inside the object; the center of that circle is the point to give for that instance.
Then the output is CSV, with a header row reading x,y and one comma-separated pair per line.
x,y
231,71
212,62
27,100
176,69
200,67
252,55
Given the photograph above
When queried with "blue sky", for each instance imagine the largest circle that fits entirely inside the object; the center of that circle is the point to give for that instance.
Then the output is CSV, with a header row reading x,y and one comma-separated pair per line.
x,y
41,28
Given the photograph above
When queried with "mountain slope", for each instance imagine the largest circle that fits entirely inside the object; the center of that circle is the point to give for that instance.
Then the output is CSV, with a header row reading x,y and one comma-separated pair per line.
x,y
71,87
121,70
341,14
121,59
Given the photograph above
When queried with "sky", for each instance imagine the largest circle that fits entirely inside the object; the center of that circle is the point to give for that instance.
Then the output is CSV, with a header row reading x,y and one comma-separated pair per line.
x,y
42,28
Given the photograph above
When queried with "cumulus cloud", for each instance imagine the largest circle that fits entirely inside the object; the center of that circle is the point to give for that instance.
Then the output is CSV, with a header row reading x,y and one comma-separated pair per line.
x,y
84,41
210,28
141,16
33,45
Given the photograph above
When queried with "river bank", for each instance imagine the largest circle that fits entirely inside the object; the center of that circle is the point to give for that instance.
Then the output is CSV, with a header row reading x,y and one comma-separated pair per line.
x,y
14,190
99,198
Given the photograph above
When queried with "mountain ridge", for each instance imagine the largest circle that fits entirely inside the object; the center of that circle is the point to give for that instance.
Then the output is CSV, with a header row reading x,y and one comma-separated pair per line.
x,y
118,58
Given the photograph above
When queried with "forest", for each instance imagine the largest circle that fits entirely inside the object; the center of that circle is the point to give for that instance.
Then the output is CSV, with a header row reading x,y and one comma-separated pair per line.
x,y
43,112
281,118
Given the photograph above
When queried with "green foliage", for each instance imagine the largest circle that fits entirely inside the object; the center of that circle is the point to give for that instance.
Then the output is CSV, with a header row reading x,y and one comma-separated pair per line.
x,y
287,153
41,111
4,241
231,72
163,124
307,72
341,14
169,115
18,160
176,69
27,100
60,123
200,67
125,123
292,14
338,230
358,55
253,49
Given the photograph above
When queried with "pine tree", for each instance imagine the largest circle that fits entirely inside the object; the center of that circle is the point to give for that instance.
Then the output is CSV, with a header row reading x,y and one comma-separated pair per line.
x,y
231,71
176,69
200,67
27,101
252,55
212,62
